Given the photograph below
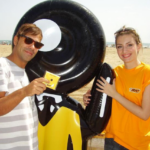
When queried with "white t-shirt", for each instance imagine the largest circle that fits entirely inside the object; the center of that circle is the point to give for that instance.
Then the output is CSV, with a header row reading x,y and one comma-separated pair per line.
x,y
18,128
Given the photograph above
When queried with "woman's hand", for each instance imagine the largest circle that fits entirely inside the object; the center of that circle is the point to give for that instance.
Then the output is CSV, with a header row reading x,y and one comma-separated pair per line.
x,y
106,88
86,98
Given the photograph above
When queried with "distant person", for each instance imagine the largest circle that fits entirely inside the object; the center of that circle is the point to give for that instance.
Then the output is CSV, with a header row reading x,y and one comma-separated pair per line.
x,y
18,113
129,124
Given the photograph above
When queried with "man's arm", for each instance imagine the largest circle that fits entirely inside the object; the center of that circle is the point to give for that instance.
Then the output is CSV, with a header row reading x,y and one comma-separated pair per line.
x,y
2,94
9,102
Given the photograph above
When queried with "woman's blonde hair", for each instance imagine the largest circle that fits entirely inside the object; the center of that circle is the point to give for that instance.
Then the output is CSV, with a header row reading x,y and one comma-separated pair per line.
x,y
128,31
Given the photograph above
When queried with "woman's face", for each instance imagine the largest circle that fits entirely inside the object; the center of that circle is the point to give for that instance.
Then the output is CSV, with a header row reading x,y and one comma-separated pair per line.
x,y
127,49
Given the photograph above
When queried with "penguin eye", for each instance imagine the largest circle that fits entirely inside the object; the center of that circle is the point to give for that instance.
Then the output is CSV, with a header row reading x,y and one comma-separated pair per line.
x,y
41,107
52,108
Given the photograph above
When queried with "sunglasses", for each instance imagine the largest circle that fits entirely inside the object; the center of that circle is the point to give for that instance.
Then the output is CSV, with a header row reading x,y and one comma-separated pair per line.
x,y
28,41
124,29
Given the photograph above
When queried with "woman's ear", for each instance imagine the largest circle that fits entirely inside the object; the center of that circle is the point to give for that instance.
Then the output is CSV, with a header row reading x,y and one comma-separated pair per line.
x,y
15,40
139,46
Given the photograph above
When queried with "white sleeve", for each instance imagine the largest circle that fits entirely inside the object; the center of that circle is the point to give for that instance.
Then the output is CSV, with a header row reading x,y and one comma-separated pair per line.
x,y
3,78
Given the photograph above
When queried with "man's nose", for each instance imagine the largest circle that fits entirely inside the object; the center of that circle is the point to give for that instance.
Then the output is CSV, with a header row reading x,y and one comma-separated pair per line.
x,y
32,46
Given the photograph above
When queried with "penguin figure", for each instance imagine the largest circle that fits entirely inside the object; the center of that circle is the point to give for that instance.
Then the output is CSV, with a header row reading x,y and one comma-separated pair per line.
x,y
77,59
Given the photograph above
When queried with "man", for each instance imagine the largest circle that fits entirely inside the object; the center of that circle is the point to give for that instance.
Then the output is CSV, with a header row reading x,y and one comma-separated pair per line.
x,y
18,113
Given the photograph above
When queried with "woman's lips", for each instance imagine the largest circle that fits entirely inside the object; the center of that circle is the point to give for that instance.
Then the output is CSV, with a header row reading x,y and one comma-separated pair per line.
x,y
126,56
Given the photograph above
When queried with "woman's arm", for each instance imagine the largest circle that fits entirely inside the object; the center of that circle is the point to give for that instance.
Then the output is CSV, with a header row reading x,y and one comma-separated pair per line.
x,y
86,97
142,111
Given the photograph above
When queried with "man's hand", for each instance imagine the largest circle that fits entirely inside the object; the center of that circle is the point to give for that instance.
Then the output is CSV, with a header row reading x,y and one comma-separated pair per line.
x,y
35,87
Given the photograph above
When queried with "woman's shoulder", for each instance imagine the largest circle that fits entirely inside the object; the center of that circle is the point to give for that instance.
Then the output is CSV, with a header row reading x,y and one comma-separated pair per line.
x,y
118,70
120,67
145,66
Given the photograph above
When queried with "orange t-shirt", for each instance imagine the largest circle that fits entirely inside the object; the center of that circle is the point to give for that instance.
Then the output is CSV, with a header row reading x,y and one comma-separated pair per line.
x,y
124,127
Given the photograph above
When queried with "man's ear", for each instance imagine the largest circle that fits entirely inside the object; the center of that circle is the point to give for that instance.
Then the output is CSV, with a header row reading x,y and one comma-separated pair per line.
x,y
15,40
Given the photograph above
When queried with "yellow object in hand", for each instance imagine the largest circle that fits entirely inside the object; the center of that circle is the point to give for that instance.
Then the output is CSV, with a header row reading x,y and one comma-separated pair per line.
x,y
53,80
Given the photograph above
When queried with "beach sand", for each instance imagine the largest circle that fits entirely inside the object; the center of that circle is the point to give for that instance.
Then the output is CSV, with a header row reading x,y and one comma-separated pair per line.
x,y
111,57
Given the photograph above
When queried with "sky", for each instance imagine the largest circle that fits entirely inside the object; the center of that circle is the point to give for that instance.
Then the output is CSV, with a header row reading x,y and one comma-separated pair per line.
x,y
112,14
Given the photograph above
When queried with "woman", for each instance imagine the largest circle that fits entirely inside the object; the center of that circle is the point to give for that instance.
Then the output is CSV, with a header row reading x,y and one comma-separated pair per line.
x,y
129,124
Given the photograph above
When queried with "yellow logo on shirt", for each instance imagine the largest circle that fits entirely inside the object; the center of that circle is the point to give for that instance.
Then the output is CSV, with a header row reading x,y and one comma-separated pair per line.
x,y
134,90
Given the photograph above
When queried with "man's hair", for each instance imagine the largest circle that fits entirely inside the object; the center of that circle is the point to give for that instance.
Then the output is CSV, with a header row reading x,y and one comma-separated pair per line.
x,y
29,28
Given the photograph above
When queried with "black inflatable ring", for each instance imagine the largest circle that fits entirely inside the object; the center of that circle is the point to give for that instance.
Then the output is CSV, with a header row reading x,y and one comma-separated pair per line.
x,y
82,43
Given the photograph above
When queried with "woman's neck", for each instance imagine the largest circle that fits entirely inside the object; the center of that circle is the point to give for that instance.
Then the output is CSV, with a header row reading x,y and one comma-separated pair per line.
x,y
131,65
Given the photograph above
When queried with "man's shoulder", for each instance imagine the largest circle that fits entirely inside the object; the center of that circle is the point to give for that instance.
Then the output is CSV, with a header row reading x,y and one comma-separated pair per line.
x,y
3,61
2,58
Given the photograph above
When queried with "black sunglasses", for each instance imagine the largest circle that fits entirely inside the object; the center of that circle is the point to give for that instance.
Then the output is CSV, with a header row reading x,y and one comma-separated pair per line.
x,y
124,29
28,40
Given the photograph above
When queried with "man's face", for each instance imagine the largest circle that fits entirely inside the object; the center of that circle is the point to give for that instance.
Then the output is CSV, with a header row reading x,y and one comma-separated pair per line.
x,y
24,51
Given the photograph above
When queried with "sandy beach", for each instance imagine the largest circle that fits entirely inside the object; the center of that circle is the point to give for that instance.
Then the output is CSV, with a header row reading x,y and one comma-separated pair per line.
x,y
112,59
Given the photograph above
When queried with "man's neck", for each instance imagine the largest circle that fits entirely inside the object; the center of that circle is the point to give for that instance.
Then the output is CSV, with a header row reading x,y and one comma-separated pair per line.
x,y
17,61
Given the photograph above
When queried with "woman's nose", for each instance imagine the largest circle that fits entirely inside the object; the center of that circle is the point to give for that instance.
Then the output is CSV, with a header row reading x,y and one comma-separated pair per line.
x,y
125,49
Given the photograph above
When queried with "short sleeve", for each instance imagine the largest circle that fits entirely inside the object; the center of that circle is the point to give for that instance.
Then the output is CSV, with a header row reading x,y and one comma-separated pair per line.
x,y
146,77
3,77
